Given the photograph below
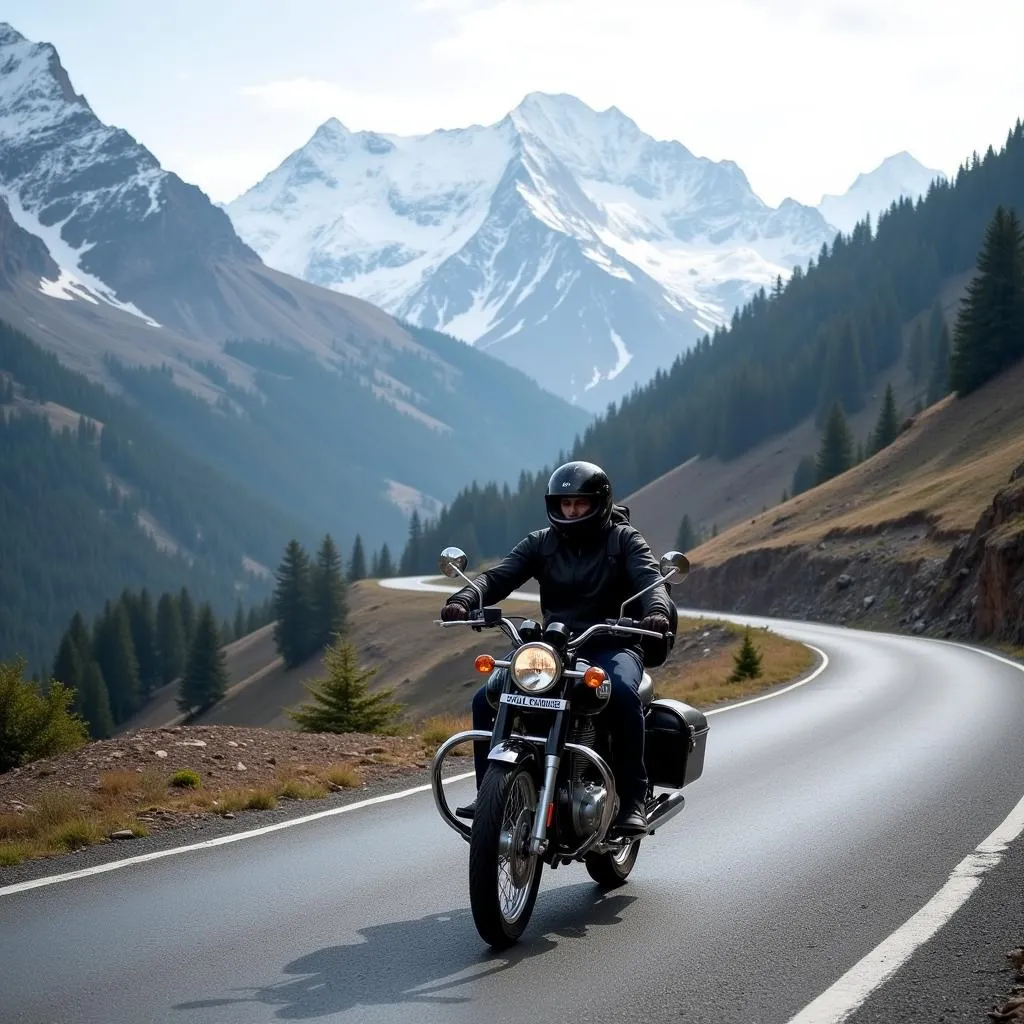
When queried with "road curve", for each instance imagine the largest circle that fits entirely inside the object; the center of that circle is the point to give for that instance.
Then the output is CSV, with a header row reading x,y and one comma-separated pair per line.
x,y
825,818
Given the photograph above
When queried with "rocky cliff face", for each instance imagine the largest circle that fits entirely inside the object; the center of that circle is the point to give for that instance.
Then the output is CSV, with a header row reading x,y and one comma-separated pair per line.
x,y
887,578
982,591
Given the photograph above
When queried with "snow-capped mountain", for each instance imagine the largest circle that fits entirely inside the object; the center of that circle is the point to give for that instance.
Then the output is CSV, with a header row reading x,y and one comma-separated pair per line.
x,y
105,253
564,240
895,177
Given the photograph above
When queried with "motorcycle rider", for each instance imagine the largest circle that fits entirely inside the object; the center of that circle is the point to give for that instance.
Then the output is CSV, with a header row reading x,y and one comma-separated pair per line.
x,y
584,574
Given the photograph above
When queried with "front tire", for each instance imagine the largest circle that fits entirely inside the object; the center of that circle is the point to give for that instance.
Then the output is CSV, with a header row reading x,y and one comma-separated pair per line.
x,y
503,875
610,870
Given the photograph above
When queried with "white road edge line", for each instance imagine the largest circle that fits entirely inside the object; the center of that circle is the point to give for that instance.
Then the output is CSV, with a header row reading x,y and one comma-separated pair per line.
x,y
37,883
207,844
841,999
238,836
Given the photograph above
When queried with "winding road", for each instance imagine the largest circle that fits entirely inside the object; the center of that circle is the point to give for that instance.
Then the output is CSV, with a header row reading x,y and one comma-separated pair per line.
x,y
828,815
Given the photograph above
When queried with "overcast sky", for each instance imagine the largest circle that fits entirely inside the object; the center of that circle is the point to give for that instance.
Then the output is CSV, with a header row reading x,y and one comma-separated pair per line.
x,y
802,94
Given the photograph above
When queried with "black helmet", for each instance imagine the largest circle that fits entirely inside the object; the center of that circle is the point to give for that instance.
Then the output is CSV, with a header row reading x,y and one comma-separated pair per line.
x,y
579,480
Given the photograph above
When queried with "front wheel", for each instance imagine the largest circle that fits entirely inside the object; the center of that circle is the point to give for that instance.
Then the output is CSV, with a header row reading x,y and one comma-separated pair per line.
x,y
503,875
610,870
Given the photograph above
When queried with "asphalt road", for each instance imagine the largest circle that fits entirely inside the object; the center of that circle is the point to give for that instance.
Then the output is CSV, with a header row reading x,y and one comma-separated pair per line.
x,y
825,818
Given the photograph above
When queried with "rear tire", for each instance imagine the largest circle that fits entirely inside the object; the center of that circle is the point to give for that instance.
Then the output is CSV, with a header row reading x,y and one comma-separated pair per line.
x,y
503,876
610,870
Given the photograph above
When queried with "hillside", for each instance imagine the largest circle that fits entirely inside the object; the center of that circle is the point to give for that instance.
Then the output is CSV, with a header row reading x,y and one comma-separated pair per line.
x,y
429,668
94,500
926,534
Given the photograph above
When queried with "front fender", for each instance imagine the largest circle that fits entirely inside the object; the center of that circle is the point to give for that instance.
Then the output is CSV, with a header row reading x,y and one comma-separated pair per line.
x,y
513,752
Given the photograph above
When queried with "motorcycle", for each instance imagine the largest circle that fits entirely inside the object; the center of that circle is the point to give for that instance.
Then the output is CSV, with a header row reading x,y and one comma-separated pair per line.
x,y
549,795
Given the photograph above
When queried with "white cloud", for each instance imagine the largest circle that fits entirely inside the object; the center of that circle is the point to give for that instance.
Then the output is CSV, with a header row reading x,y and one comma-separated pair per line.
x,y
801,94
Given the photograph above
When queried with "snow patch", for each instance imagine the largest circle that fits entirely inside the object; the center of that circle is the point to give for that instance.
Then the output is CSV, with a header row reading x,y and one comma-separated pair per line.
x,y
623,353
73,282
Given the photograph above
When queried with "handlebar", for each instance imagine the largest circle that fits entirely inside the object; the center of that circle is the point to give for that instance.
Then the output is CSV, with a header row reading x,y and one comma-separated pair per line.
x,y
482,620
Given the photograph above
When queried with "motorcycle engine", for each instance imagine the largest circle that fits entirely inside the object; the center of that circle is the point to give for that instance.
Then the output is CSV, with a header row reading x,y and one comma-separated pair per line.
x,y
588,800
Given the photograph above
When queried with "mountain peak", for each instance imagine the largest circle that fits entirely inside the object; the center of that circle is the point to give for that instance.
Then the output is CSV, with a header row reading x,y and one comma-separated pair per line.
x,y
872,192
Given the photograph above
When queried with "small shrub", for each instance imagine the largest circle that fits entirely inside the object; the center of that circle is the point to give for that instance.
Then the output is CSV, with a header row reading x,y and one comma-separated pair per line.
x,y
34,724
747,661
187,778
54,808
342,702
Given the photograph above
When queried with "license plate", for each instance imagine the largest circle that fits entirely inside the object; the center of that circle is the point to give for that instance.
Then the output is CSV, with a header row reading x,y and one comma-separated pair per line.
x,y
522,700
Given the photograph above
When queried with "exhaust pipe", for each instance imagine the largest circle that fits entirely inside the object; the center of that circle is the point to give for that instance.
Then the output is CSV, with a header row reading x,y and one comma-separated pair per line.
x,y
668,806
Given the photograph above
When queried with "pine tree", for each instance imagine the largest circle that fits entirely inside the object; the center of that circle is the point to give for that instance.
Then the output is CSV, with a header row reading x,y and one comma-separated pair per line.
x,y
917,357
746,661
342,701
205,679
78,631
386,567
142,622
67,666
94,703
887,428
187,611
170,639
252,622
835,455
238,629
805,476
357,563
989,333
938,382
686,538
115,656
330,602
375,566
412,556
294,630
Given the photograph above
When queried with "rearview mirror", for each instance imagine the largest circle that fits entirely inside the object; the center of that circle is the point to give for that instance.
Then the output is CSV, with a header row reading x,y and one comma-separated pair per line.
x,y
453,562
674,563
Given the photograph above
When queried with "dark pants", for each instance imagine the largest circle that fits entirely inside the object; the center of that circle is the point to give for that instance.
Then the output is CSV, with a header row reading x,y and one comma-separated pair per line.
x,y
623,717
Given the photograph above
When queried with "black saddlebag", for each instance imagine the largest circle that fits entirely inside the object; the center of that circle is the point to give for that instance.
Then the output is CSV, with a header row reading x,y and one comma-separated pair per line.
x,y
674,742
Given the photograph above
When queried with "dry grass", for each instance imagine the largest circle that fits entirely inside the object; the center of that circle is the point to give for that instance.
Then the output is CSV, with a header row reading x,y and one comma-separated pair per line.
x,y
437,729
341,775
705,681
940,474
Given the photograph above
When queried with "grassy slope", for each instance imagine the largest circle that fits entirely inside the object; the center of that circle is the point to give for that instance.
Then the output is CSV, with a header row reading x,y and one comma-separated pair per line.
x,y
941,472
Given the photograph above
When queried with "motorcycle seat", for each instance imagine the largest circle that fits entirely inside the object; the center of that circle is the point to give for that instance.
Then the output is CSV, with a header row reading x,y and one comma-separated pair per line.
x,y
646,690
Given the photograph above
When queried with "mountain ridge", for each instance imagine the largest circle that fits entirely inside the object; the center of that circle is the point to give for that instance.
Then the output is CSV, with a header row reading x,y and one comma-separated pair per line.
x,y
133,277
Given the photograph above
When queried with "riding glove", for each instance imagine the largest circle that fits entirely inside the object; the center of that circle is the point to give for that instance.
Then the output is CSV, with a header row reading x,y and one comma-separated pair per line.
x,y
454,611
657,623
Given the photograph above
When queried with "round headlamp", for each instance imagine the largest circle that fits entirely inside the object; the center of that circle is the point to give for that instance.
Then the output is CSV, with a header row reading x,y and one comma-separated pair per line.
x,y
536,668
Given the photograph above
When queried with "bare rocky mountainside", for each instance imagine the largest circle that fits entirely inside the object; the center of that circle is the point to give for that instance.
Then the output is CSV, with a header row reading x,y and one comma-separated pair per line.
x,y
319,402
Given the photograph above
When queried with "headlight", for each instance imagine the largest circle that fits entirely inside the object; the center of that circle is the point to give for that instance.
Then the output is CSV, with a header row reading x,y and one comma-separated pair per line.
x,y
536,668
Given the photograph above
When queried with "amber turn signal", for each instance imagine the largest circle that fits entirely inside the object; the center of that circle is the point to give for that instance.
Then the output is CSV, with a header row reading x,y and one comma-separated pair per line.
x,y
594,677
484,663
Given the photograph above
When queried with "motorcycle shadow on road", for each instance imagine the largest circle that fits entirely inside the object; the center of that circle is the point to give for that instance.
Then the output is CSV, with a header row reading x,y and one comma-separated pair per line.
x,y
425,960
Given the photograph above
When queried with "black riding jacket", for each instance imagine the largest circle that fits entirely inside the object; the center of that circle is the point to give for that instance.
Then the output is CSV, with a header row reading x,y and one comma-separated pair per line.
x,y
579,585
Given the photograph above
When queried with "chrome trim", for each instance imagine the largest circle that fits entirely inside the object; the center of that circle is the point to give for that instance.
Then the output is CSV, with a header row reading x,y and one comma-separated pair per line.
x,y
537,645
609,806
440,800
602,627
666,808
538,841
